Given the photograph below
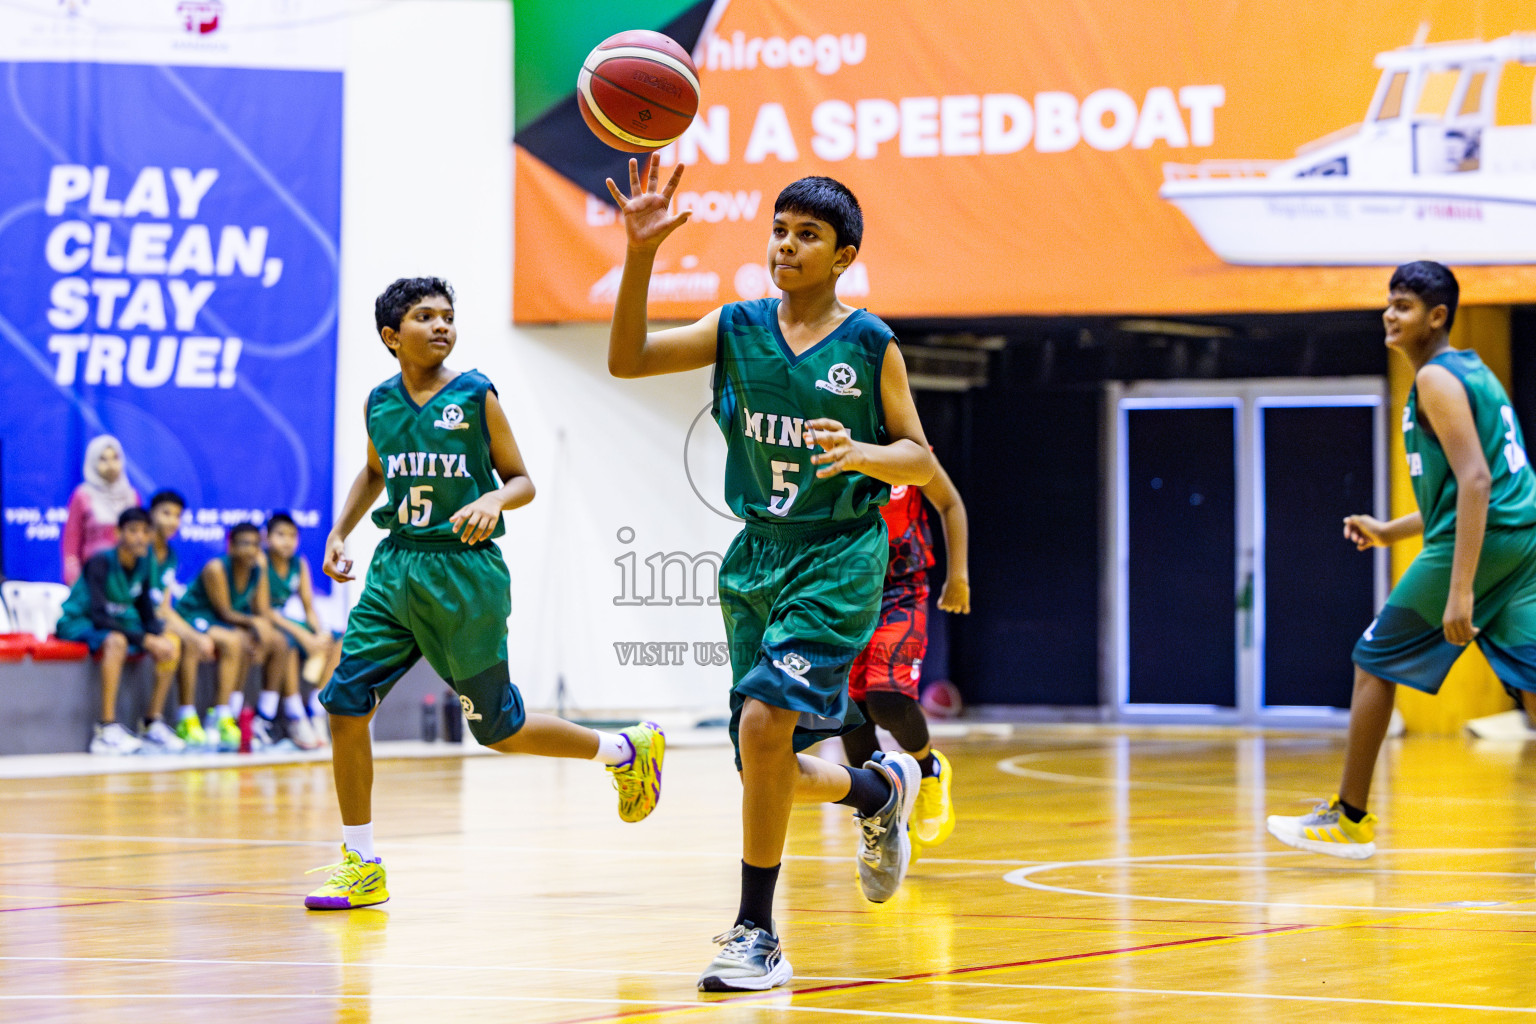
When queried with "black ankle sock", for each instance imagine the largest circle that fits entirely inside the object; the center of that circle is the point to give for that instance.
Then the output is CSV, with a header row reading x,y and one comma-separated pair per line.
x,y
757,886
1352,812
929,765
868,791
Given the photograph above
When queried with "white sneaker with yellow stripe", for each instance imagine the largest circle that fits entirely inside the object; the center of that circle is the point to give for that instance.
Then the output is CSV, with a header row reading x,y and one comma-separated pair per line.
x,y
1327,830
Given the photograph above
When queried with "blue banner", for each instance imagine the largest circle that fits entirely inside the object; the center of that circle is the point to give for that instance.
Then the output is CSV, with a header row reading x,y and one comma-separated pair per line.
x,y
169,274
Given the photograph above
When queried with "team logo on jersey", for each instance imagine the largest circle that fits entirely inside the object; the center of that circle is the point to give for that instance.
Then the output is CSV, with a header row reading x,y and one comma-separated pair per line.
x,y
794,665
897,493
840,381
469,708
453,418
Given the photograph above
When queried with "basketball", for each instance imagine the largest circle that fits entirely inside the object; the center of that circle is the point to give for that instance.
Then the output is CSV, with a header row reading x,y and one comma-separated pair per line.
x,y
638,91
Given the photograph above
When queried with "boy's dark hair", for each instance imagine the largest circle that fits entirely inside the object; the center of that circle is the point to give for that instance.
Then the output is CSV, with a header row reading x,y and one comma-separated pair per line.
x,y
239,528
133,515
826,199
166,496
396,300
1432,282
280,519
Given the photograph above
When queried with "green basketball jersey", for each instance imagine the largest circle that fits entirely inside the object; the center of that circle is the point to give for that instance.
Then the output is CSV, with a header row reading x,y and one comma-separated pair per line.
x,y
436,457
283,585
1512,499
122,592
764,394
195,604
162,575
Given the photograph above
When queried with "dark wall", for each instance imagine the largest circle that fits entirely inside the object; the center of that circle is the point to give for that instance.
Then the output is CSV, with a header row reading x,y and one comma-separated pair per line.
x,y
1024,451
1027,465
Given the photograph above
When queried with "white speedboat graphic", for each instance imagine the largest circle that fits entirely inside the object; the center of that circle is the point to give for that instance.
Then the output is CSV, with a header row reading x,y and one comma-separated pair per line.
x,y
1426,175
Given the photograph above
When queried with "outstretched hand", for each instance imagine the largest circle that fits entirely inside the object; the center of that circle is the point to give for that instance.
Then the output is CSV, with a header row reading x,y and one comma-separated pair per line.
x,y
647,210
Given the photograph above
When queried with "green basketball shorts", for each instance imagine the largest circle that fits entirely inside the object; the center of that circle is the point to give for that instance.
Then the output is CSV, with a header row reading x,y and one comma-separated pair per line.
x,y
1406,643
448,603
800,603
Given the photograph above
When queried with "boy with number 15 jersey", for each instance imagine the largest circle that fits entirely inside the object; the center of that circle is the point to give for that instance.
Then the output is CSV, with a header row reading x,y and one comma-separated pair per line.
x,y
812,397
439,443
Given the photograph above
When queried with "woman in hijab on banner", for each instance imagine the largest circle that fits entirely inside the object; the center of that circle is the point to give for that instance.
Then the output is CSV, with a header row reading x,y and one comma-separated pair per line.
x,y
94,507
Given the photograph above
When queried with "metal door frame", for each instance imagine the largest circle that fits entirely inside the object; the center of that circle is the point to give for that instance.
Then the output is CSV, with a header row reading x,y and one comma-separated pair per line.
x,y
1248,397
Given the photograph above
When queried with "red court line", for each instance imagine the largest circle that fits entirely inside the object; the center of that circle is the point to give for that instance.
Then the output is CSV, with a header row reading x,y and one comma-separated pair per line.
x,y
1028,917
104,903
927,975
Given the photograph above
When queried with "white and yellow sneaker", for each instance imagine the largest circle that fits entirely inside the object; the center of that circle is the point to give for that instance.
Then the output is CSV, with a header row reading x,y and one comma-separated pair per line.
x,y
1327,830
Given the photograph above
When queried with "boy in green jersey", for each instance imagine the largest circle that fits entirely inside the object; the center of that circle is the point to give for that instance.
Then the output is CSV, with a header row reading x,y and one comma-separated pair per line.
x,y
228,602
800,586
288,581
165,509
109,609
440,444
1476,576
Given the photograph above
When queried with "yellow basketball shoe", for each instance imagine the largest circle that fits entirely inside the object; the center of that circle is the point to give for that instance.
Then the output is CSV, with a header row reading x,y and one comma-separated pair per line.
x,y
354,883
639,781
190,730
1327,830
934,817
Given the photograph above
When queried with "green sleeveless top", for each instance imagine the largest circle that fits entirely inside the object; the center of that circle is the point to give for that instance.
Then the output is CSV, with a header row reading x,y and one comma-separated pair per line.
x,y
195,604
436,457
764,394
162,575
122,592
1512,499
285,585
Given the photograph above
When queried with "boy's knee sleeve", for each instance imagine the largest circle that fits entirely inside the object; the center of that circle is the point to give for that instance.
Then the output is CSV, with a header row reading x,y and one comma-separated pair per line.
x,y
901,716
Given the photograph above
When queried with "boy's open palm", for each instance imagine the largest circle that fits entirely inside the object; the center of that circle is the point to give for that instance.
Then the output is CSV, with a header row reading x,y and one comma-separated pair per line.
x,y
647,211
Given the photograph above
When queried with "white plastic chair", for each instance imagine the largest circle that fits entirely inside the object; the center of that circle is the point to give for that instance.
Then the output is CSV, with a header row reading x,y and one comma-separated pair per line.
x,y
34,607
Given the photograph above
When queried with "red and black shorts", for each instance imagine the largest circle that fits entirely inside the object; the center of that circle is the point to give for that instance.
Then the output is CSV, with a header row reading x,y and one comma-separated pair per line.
x,y
893,661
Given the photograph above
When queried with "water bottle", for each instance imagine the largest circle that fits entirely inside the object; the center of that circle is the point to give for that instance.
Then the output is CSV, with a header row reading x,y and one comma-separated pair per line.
x,y
429,719
453,719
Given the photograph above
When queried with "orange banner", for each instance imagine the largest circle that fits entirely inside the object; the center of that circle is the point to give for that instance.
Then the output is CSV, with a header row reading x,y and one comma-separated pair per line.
x,y
1068,157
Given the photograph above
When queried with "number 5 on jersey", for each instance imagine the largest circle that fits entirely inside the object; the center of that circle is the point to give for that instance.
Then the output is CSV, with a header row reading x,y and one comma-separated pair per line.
x,y
416,507
784,491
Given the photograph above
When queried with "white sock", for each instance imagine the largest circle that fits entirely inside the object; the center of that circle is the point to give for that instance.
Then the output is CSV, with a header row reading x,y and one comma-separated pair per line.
x,y
266,704
293,707
188,711
614,749
359,838
315,710
236,702
221,712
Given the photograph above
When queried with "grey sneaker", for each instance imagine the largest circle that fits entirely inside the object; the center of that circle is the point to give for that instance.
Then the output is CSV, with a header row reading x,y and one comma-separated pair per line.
x,y
751,961
884,848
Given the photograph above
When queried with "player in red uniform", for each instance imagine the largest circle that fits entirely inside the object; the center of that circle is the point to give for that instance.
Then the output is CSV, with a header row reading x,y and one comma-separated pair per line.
x,y
885,677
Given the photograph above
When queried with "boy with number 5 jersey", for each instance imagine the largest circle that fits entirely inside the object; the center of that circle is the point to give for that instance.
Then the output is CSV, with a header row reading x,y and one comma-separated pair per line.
x,y
800,585
440,445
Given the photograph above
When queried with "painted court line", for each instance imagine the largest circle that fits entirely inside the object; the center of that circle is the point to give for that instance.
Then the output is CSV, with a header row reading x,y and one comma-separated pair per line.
x,y
654,1008
1024,877
502,968
331,844
1116,990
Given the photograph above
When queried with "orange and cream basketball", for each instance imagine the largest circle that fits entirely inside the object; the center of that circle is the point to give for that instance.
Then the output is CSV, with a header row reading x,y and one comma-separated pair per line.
x,y
638,90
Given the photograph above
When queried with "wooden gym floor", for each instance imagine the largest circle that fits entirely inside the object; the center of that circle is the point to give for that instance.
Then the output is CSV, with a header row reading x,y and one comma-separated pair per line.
x,y
1096,875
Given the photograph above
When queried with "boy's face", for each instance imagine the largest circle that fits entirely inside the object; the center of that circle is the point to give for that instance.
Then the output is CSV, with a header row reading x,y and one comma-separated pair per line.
x,y
803,252
1409,321
282,540
167,519
426,333
244,546
134,539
